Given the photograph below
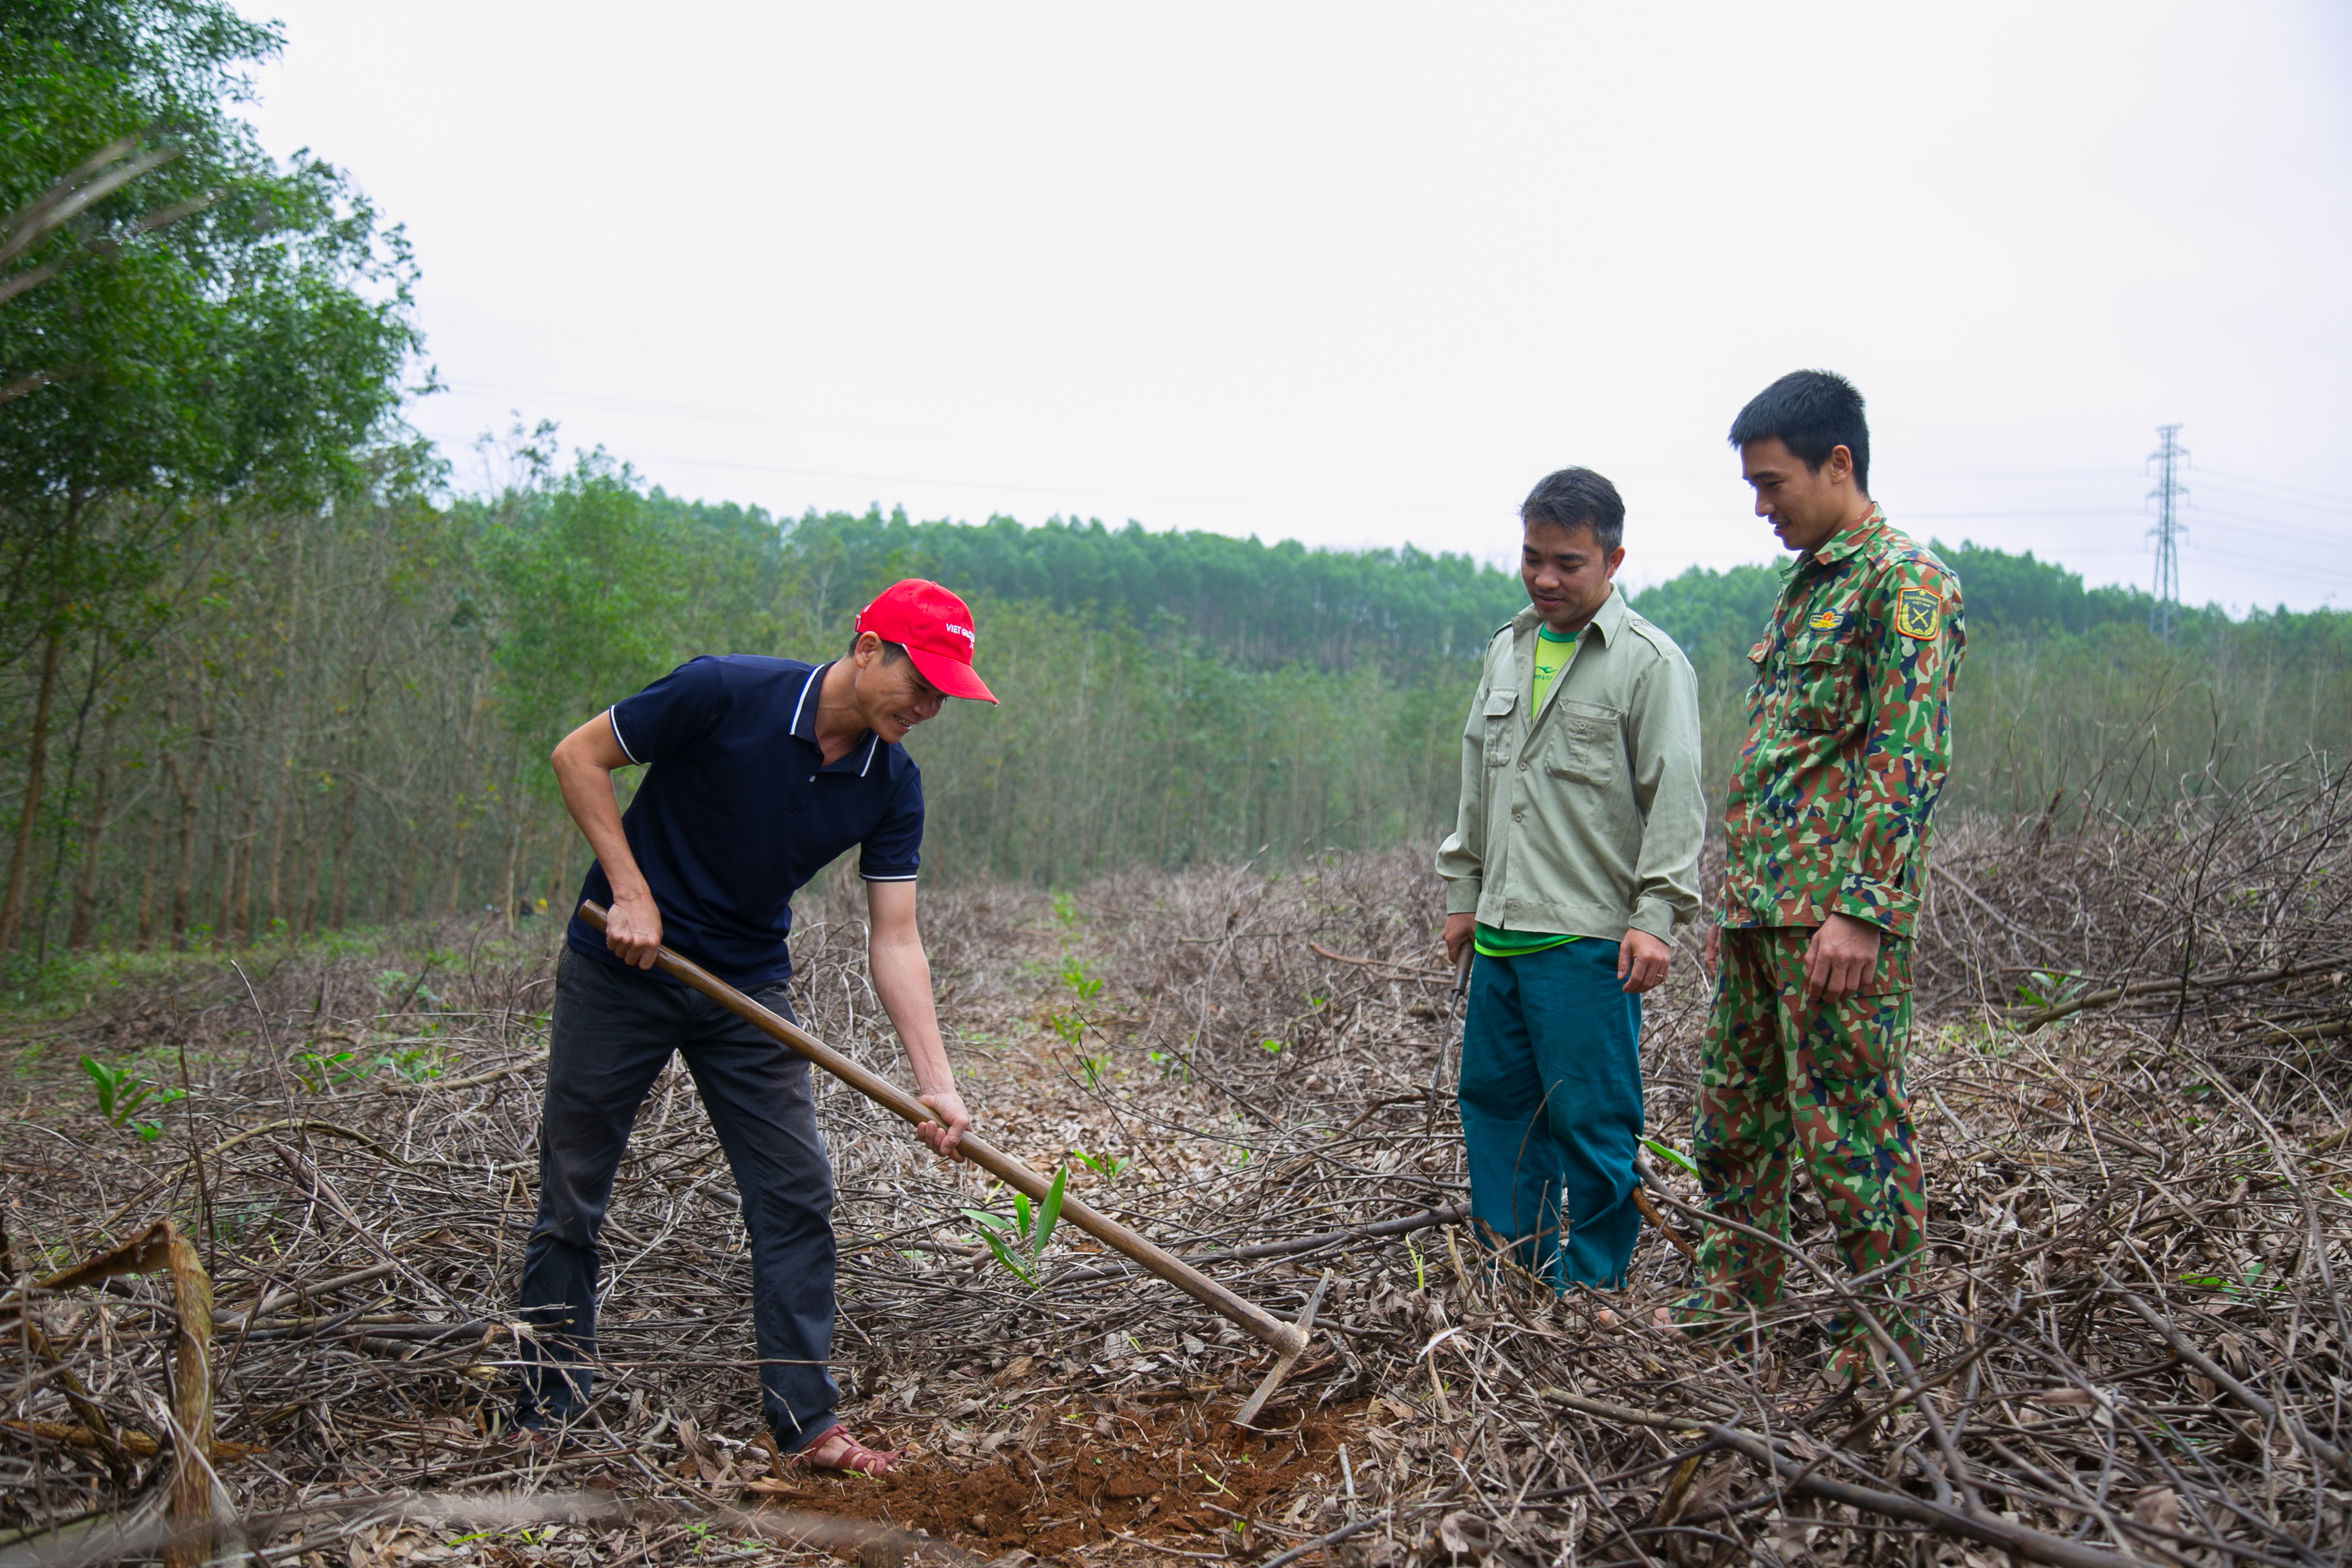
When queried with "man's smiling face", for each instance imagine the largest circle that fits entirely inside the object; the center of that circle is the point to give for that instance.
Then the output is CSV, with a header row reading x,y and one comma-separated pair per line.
x,y
1806,506
1567,573
891,694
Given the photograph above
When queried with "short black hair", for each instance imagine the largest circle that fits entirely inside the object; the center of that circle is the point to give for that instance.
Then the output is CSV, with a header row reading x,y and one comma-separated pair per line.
x,y
1813,412
891,652
1577,497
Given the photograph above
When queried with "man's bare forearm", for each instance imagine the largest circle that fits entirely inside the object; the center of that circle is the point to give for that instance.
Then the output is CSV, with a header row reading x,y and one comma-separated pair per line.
x,y
585,776
583,763
590,801
902,979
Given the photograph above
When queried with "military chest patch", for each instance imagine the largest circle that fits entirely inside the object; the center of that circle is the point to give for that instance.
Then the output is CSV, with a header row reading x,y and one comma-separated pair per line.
x,y
1826,620
1919,612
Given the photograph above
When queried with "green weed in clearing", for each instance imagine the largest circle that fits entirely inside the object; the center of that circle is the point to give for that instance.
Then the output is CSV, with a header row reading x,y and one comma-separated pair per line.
x,y
121,1092
1018,1243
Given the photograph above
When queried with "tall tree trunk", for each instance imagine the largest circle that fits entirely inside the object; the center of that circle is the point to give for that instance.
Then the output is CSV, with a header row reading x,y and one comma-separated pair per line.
x,y
401,891
43,920
189,783
340,904
283,801
93,843
273,911
350,825
516,844
147,874
460,818
232,842
456,868
12,903
247,831
224,883
306,869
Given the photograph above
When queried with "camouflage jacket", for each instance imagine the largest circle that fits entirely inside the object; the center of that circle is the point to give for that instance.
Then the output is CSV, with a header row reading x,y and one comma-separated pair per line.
x,y
1849,737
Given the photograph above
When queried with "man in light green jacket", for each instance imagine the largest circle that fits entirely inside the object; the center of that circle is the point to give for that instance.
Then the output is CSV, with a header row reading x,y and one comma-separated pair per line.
x,y
1574,856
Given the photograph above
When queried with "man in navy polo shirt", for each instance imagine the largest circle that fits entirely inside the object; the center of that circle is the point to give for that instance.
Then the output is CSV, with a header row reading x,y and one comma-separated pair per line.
x,y
761,772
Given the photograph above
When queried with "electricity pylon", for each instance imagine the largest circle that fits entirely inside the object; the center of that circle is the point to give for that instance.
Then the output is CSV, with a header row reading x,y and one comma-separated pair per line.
x,y
2169,496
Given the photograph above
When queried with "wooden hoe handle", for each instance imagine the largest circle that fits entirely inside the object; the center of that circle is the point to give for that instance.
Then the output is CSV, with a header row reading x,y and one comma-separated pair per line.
x,y
1286,1337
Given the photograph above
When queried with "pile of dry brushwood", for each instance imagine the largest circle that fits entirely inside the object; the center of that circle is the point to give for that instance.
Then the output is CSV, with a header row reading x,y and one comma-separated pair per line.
x,y
2128,1080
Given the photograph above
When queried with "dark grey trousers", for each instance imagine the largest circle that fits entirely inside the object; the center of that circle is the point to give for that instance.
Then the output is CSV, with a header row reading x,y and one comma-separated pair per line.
x,y
612,1032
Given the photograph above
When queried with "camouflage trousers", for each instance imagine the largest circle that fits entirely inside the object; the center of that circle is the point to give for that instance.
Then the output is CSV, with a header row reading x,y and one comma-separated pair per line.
x,y
1784,1083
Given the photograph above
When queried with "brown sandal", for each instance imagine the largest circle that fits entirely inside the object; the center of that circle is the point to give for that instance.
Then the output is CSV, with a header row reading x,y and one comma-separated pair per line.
x,y
837,1450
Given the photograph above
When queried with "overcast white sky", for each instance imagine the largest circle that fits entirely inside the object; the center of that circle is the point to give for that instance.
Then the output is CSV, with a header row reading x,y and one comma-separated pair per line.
x,y
1361,274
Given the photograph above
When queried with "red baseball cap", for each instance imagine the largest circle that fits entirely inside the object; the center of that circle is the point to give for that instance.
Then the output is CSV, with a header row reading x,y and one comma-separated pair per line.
x,y
935,628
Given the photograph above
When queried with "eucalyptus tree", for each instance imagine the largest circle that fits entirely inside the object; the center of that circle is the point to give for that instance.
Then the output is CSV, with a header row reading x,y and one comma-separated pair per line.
x,y
207,331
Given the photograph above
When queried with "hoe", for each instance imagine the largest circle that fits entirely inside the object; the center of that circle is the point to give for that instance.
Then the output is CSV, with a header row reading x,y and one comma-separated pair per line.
x,y
1288,1339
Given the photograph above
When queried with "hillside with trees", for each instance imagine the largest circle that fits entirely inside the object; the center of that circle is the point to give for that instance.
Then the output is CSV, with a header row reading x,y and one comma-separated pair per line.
x,y
337,713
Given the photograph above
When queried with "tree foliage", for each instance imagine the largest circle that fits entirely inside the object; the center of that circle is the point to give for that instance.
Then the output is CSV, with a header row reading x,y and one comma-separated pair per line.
x,y
346,713
256,343
213,330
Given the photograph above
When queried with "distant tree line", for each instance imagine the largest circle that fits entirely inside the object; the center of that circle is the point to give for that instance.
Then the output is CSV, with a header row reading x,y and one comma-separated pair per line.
x,y
340,713
1256,604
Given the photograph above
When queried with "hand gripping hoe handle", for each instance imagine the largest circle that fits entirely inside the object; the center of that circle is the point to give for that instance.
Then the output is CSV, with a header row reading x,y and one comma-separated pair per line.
x,y
1288,1339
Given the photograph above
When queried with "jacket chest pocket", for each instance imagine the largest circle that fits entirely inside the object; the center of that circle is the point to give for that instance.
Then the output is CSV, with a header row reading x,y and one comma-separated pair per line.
x,y
1824,686
1502,711
1585,747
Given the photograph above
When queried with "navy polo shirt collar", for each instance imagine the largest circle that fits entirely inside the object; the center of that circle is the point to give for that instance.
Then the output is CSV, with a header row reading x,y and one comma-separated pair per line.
x,y
805,727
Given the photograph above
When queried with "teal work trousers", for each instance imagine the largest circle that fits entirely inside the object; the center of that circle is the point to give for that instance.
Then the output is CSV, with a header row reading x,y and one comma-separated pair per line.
x,y
1551,1111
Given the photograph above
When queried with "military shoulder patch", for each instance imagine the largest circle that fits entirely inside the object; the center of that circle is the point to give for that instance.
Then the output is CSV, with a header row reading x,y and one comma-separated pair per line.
x,y
1919,612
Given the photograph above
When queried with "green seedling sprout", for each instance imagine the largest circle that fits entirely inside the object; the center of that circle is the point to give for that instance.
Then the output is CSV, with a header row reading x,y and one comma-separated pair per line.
x,y
1671,1155
2049,987
1075,976
121,1092
419,1064
319,1072
1106,1166
1018,1243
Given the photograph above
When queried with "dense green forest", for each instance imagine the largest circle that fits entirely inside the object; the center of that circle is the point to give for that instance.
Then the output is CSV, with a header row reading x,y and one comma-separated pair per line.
x,y
262,672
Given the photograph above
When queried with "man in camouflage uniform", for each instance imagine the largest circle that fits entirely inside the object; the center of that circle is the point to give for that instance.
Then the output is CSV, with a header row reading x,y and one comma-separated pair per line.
x,y
1826,826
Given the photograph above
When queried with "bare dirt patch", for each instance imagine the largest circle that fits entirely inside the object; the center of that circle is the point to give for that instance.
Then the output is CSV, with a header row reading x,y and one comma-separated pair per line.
x,y
1168,1468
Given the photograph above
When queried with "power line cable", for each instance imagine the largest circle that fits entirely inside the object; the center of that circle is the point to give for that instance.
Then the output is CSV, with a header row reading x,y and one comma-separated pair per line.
x,y
2021,511
2271,528
2304,574
2344,502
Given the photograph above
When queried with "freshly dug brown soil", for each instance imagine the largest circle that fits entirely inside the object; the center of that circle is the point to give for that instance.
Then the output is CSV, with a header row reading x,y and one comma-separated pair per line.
x,y
1174,1470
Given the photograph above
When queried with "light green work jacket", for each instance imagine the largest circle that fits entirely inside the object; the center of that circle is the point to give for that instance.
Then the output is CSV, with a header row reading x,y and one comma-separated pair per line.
x,y
1586,817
